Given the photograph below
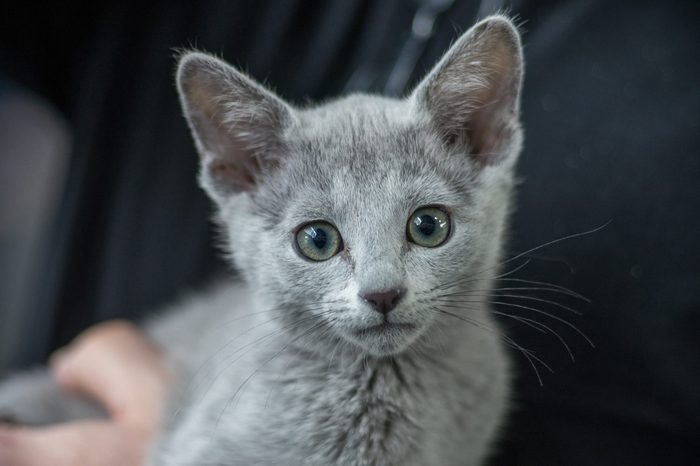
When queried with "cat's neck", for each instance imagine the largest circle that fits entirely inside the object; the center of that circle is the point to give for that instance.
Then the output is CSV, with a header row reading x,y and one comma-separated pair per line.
x,y
386,406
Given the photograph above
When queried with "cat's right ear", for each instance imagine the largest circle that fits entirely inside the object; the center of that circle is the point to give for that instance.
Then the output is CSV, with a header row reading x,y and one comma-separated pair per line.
x,y
237,124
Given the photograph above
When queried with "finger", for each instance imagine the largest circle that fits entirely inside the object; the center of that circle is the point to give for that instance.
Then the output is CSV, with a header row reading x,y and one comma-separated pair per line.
x,y
89,350
93,443
118,366
89,376
98,347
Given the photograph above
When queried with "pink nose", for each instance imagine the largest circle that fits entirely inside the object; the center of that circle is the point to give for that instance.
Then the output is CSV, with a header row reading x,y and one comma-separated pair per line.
x,y
383,301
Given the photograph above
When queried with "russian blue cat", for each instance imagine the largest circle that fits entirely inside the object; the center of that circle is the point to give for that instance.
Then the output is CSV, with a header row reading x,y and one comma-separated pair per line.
x,y
353,224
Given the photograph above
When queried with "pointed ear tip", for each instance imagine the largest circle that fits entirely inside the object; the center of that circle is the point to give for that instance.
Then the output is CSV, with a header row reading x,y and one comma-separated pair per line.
x,y
498,35
502,26
193,63
499,20
190,61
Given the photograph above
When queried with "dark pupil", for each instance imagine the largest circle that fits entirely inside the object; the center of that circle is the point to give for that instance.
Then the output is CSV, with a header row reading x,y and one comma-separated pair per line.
x,y
426,224
318,237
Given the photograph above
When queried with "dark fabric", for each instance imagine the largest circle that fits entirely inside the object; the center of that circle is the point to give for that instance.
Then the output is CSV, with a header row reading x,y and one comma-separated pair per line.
x,y
612,115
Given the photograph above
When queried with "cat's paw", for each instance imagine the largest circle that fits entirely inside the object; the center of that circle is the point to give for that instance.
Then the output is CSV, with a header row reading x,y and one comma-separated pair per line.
x,y
33,399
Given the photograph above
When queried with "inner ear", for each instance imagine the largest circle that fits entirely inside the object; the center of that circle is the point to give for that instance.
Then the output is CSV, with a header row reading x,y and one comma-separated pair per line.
x,y
226,174
489,133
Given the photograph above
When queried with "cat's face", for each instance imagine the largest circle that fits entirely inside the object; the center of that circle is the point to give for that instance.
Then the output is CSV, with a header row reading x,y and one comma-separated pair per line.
x,y
367,213
348,216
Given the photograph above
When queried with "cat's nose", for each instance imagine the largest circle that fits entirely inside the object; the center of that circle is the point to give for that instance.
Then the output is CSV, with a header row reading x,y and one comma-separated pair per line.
x,y
384,301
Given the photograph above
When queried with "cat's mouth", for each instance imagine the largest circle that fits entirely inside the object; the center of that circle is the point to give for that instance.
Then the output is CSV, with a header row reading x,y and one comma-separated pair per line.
x,y
385,338
385,328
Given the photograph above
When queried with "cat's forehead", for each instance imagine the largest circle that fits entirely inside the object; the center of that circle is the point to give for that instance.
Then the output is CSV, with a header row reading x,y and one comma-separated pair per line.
x,y
358,130
364,154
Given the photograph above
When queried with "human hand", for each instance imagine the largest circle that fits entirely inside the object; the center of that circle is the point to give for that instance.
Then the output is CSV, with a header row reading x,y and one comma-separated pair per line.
x,y
115,364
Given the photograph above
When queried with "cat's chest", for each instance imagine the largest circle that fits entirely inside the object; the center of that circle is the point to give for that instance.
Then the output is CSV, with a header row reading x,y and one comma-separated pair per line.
x,y
371,414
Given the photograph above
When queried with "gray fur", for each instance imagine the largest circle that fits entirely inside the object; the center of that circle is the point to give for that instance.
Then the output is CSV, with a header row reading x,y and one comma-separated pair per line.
x,y
275,369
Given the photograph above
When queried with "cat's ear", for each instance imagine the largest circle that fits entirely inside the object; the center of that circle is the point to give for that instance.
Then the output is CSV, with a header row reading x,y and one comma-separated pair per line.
x,y
237,124
472,95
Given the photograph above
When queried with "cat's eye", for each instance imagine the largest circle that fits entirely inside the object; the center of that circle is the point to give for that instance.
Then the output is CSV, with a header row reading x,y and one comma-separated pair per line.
x,y
428,227
318,241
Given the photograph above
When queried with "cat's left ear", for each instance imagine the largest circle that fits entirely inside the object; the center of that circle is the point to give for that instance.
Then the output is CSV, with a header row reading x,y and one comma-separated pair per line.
x,y
472,96
238,125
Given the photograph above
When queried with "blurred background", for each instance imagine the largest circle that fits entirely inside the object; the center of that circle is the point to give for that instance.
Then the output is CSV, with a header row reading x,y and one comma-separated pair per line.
x,y
100,215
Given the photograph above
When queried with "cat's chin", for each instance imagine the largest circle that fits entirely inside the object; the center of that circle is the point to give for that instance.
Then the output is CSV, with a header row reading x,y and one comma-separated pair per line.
x,y
386,338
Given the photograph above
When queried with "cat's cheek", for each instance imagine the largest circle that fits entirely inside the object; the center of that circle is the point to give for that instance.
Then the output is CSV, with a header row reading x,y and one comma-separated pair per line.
x,y
323,285
248,242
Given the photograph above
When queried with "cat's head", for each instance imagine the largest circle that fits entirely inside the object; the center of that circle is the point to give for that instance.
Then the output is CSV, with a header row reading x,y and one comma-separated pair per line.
x,y
348,215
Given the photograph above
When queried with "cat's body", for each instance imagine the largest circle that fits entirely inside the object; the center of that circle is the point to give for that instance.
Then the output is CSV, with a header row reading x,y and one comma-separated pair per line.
x,y
365,350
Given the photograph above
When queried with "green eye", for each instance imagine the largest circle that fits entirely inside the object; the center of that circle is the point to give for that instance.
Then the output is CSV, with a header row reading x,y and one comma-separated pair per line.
x,y
318,241
428,227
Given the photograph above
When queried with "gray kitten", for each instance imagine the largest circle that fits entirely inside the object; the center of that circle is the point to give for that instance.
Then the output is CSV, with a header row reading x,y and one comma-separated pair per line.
x,y
356,226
